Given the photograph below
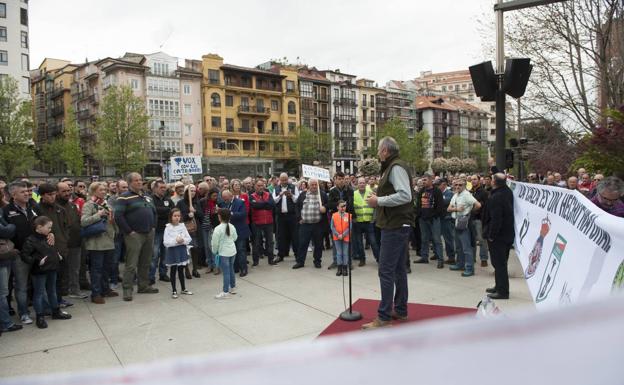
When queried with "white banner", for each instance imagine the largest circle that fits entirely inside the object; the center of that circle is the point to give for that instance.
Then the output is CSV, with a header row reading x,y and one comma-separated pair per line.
x,y
184,165
315,172
570,249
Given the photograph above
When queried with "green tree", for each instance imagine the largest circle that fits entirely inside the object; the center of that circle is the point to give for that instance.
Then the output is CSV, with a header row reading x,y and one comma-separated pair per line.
x,y
313,146
71,152
122,130
414,151
17,153
49,156
457,146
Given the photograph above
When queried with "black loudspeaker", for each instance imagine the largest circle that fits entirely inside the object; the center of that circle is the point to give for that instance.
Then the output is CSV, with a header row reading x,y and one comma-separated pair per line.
x,y
517,72
484,81
509,158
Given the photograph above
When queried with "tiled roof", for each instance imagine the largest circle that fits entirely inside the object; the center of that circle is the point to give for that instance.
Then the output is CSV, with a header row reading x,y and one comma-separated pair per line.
x,y
249,69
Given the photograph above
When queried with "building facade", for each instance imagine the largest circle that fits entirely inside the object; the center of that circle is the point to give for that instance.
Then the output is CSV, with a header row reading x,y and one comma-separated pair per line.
x,y
250,117
367,126
14,43
315,110
344,115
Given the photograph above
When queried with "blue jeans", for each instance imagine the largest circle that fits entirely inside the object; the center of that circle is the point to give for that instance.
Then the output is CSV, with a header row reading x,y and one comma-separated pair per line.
x,y
241,253
393,272
448,233
342,252
158,257
368,230
430,232
99,261
120,248
21,272
464,251
5,319
44,284
476,228
207,238
227,269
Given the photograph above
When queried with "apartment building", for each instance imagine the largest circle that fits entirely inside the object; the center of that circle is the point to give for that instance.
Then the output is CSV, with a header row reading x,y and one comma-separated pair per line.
x,y
250,116
367,126
14,43
314,93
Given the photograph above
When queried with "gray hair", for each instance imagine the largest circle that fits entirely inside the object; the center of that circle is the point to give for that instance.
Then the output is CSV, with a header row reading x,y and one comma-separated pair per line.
x,y
611,183
13,187
131,176
390,144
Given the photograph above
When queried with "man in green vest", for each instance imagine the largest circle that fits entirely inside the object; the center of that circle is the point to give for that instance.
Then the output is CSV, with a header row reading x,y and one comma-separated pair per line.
x,y
363,222
395,216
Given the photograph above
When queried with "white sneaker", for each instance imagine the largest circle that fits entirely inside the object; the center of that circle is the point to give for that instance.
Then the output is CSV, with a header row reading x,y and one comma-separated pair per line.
x,y
174,295
26,320
78,295
309,249
222,295
187,292
232,290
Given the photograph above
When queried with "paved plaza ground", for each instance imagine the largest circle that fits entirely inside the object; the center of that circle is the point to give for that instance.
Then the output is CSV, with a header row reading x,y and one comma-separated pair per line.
x,y
274,304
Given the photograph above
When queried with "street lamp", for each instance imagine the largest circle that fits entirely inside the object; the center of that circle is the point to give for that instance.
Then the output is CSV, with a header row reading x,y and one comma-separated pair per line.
x,y
162,133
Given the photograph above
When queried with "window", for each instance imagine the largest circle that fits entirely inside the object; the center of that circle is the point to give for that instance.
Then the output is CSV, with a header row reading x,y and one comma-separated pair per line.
x,y
229,100
187,89
188,111
215,100
213,76
134,83
248,145
25,63
216,144
23,16
4,58
24,39
291,127
292,147
245,125
216,121
188,148
274,126
3,10
291,108
372,100
188,129
229,124
274,105
3,34
290,86
305,88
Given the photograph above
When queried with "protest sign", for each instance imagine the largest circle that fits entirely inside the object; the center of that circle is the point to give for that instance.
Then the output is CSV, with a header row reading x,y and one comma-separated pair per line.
x,y
184,165
315,172
570,250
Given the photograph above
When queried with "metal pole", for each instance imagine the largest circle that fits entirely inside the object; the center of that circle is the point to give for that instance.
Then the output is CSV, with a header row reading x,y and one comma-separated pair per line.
x,y
500,93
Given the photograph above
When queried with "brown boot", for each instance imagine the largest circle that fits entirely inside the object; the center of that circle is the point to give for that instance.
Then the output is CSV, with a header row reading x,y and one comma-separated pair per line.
x,y
98,299
376,323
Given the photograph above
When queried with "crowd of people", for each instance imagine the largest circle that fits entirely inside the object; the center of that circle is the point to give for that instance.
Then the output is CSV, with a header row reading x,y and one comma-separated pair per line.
x,y
65,241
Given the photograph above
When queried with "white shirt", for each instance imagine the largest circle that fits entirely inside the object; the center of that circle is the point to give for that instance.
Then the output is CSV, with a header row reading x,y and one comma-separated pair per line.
x,y
284,202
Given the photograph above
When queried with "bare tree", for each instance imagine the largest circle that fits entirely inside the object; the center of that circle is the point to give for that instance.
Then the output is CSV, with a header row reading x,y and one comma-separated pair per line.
x,y
577,49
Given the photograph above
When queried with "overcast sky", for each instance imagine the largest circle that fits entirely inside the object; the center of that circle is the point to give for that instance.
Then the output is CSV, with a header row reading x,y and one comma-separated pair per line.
x,y
376,39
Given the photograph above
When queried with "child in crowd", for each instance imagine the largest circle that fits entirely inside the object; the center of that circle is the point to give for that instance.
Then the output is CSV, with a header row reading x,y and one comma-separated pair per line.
x,y
176,239
340,223
223,245
44,261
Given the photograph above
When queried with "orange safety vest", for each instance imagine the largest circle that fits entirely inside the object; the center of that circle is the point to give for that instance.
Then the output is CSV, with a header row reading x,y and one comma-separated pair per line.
x,y
341,224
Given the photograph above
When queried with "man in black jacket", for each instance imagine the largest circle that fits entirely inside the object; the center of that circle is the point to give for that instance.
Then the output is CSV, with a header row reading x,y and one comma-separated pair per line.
x,y
498,229
74,241
476,224
21,212
285,195
163,206
342,191
429,210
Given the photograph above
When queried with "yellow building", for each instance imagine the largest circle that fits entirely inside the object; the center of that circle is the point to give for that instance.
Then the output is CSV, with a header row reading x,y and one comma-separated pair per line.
x,y
51,95
250,116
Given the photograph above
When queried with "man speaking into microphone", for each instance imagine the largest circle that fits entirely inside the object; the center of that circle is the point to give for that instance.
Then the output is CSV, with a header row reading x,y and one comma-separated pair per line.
x,y
395,215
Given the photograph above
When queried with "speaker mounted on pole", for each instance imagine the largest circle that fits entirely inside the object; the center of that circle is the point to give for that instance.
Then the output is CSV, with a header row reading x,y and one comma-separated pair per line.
x,y
484,80
517,73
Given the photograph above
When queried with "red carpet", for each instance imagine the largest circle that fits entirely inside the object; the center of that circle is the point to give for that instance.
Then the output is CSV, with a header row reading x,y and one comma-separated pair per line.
x,y
368,308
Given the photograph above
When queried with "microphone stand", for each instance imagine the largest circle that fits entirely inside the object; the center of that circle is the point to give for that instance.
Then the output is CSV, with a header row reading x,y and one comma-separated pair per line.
x,y
349,314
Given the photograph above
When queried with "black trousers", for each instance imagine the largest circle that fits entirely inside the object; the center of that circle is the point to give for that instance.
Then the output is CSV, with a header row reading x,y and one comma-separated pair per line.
x,y
286,234
499,254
